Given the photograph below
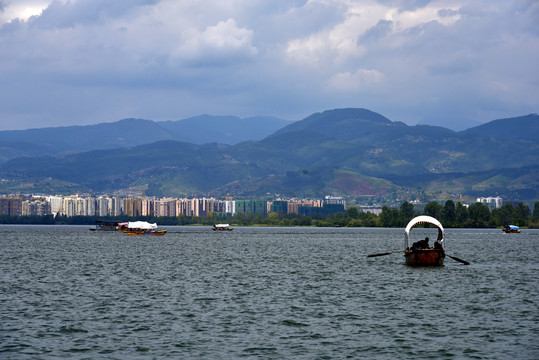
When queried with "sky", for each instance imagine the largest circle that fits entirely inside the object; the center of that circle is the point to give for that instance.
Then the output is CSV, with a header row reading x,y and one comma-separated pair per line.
x,y
452,63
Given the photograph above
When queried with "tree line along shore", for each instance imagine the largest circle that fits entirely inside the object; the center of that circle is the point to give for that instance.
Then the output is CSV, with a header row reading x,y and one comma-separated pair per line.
x,y
451,215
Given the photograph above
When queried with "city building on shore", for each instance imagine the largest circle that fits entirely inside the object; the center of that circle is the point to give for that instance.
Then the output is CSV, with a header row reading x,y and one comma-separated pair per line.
x,y
132,206
491,202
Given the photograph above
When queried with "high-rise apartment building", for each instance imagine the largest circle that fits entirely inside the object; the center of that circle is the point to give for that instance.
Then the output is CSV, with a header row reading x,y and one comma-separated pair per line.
x,y
11,205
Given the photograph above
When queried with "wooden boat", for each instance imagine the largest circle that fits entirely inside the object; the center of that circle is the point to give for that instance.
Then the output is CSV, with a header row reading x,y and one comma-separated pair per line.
x,y
140,228
222,227
420,253
146,232
424,257
511,229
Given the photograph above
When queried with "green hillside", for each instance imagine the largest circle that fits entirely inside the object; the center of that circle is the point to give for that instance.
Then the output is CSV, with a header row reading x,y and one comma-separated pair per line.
x,y
350,152
506,129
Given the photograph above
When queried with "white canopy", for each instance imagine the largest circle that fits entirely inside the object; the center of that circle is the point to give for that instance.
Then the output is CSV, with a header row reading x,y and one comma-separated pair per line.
x,y
423,219
221,225
141,225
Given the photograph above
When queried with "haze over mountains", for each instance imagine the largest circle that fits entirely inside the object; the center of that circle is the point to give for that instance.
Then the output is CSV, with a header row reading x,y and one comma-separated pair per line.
x,y
351,152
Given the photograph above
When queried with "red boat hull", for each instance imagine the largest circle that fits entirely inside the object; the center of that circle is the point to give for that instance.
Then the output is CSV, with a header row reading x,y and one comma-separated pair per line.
x,y
424,257
148,232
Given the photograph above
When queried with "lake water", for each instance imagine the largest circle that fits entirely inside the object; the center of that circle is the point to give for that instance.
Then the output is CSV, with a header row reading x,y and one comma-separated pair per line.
x,y
302,293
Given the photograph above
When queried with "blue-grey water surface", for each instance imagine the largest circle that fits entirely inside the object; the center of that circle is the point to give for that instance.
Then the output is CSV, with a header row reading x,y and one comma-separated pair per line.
x,y
270,293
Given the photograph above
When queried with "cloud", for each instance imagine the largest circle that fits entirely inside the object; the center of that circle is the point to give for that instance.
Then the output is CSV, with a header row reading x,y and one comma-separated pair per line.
x,y
62,14
378,32
22,10
361,80
217,44
85,61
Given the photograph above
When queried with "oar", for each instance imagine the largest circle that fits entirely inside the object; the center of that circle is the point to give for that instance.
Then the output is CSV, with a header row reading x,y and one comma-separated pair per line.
x,y
459,260
381,254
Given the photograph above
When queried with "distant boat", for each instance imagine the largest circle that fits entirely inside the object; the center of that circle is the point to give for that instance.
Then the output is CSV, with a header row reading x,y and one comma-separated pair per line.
x,y
102,225
511,229
222,227
140,228
420,253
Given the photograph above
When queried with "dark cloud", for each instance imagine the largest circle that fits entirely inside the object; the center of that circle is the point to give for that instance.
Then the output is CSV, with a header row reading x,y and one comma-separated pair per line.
x,y
382,29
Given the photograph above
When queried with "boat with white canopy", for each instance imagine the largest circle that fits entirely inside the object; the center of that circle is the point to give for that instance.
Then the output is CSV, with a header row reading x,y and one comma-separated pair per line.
x,y
420,253
222,227
141,228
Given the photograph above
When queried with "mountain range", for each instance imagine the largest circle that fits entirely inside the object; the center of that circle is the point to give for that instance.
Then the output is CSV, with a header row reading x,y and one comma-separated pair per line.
x,y
132,132
348,152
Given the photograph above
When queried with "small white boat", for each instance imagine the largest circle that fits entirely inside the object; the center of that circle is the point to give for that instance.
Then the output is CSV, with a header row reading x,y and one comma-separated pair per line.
x,y
222,227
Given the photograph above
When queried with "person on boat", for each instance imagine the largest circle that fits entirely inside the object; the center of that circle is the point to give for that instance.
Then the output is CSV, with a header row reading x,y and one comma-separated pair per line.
x,y
417,245
438,246
421,244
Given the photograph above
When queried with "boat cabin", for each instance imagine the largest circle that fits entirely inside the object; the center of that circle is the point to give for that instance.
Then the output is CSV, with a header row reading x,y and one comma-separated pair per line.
x,y
103,225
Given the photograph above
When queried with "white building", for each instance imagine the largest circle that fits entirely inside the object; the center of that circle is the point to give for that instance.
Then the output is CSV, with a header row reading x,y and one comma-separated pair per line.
x,y
104,206
56,204
230,207
334,200
491,202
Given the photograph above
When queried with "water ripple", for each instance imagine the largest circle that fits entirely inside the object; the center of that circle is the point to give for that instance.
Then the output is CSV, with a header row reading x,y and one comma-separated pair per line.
x,y
305,293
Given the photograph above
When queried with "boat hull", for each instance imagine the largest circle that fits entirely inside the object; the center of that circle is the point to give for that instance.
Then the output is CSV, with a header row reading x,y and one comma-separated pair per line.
x,y
424,257
511,231
158,232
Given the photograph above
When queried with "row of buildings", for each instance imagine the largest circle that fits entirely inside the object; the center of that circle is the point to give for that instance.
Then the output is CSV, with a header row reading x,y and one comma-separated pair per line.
x,y
145,206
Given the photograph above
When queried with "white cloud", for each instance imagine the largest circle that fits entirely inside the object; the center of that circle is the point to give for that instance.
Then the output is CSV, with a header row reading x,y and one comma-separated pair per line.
x,y
20,10
216,43
361,80
340,43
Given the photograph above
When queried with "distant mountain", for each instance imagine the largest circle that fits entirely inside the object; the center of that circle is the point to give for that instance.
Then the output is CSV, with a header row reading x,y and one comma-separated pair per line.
x,y
134,132
522,127
357,125
69,139
366,142
342,124
351,152
223,129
